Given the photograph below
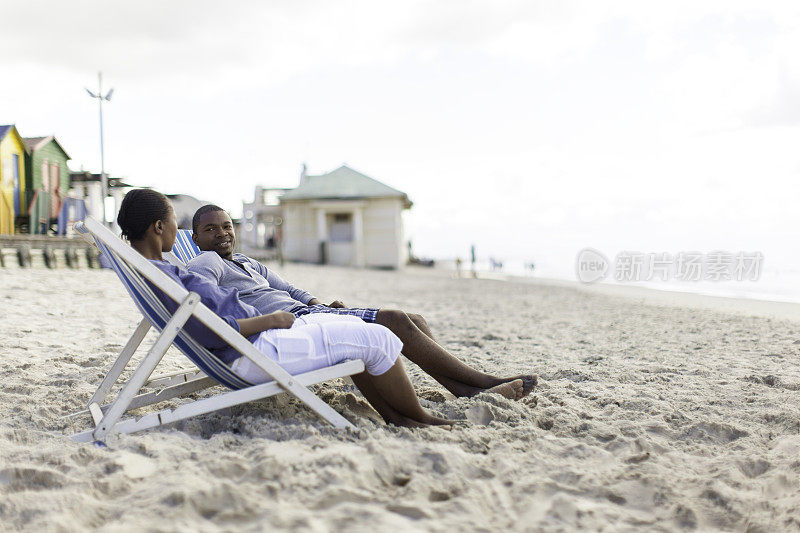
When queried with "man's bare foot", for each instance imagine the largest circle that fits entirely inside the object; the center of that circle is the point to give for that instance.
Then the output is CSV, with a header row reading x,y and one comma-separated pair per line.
x,y
513,390
529,382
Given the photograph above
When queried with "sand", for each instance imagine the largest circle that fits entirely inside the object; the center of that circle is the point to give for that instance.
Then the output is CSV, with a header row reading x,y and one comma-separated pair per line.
x,y
648,417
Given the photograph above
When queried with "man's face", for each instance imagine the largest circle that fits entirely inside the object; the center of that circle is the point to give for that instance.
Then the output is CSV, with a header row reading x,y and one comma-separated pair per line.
x,y
215,232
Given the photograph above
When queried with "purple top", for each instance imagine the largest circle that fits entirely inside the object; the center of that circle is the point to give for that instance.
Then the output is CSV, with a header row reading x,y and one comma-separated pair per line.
x,y
224,302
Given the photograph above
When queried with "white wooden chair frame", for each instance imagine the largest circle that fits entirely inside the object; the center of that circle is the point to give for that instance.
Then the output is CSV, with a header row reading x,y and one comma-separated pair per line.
x,y
109,417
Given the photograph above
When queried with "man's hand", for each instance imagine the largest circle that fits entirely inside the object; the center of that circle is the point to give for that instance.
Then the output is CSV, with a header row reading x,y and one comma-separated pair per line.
x,y
280,320
336,304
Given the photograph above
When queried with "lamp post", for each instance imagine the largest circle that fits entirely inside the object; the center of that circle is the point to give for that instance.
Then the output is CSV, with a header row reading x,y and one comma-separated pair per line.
x,y
103,181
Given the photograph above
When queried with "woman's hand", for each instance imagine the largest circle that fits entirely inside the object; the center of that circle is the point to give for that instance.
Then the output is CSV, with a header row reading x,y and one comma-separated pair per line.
x,y
257,324
280,320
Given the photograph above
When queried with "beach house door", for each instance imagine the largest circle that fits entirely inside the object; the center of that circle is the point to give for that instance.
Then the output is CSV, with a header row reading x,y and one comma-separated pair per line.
x,y
55,190
340,239
15,177
44,214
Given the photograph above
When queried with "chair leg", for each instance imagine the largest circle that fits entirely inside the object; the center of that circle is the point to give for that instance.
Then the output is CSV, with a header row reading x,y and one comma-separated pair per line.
x,y
175,378
226,400
149,398
146,367
119,365
168,393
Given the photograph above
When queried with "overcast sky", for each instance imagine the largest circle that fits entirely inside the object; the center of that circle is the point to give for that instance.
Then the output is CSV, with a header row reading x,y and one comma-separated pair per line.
x,y
530,128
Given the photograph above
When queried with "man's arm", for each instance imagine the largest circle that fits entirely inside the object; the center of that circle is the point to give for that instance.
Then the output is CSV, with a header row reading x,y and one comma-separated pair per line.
x,y
277,282
334,304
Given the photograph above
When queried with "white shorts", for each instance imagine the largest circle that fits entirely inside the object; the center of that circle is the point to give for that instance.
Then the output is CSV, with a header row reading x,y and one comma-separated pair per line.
x,y
319,340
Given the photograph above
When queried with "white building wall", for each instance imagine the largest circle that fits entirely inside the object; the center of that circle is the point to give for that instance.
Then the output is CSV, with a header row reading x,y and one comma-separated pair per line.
x,y
383,238
382,234
402,243
300,232
91,194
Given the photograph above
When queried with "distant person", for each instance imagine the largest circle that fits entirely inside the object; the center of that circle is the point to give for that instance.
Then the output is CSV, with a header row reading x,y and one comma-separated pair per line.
x,y
268,292
458,267
472,254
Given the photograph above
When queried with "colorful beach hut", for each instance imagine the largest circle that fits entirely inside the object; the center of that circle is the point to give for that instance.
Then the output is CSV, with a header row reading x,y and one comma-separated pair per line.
x,y
47,180
12,178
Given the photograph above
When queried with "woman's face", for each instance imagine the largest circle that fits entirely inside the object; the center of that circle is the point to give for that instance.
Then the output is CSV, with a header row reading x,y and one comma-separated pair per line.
x,y
170,231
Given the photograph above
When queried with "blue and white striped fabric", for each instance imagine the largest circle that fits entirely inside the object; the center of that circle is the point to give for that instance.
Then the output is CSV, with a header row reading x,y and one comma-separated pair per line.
x,y
158,315
185,249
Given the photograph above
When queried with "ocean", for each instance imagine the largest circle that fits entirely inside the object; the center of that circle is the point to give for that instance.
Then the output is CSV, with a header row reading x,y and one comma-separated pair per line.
x,y
775,283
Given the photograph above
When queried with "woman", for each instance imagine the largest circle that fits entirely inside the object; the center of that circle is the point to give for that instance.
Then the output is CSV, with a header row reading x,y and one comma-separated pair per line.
x,y
148,222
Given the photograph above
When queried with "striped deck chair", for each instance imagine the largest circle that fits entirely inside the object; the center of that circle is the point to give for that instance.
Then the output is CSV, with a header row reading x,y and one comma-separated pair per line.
x,y
132,270
184,249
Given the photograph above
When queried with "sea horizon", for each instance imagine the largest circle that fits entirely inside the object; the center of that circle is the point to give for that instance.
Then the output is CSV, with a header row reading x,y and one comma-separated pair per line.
x,y
776,283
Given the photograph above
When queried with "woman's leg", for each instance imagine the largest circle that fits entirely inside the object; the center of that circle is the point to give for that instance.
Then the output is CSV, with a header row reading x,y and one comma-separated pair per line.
x,y
308,347
393,396
385,383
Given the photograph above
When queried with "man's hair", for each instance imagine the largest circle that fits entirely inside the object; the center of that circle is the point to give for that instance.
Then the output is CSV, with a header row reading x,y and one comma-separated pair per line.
x,y
139,209
208,208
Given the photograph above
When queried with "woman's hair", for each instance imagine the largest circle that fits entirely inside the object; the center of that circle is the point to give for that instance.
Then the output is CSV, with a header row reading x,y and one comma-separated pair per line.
x,y
139,209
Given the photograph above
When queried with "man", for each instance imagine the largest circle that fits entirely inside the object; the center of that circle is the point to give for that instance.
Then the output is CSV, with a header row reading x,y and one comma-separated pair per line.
x,y
212,231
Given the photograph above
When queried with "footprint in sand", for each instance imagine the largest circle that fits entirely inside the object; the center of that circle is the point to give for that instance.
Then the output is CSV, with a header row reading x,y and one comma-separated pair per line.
x,y
18,479
480,415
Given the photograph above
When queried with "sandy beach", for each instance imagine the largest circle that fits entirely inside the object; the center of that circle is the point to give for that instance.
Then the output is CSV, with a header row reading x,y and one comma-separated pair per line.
x,y
650,415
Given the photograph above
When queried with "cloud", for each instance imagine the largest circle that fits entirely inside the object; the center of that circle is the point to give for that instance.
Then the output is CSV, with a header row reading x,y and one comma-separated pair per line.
x,y
258,44
530,115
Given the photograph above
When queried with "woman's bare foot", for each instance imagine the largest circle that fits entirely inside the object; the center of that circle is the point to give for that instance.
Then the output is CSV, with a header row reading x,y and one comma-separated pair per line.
x,y
513,390
404,421
436,421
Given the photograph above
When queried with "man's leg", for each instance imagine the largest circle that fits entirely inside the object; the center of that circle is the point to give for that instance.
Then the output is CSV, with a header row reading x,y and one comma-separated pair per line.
x,y
462,389
454,375
419,347
421,323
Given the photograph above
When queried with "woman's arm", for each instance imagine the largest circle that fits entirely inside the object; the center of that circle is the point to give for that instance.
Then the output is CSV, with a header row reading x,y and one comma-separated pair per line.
x,y
257,324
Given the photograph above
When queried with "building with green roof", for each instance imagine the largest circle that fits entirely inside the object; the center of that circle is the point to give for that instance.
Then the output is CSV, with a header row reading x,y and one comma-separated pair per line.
x,y
342,217
47,180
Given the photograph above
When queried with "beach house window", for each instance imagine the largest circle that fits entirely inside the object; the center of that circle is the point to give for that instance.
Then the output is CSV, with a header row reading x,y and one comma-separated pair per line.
x,y
340,227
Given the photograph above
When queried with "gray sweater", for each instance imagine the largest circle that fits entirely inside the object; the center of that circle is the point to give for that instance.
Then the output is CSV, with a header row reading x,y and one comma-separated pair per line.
x,y
257,286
